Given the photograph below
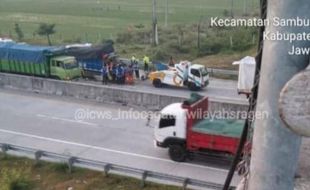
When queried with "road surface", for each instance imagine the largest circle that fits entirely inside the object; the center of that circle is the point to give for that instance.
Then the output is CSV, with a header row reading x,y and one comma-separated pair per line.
x,y
218,89
51,124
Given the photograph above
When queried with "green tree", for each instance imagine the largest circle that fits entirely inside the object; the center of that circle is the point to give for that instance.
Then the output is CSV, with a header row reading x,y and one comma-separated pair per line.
x,y
46,30
19,32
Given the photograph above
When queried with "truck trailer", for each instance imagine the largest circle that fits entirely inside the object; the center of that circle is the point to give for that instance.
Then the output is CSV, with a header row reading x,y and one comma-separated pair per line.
x,y
21,58
185,129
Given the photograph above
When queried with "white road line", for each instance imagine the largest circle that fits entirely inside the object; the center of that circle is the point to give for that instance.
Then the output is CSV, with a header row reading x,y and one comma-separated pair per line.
x,y
67,120
108,150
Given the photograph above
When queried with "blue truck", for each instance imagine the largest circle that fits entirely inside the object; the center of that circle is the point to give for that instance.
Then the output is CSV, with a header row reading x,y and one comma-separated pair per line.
x,y
91,59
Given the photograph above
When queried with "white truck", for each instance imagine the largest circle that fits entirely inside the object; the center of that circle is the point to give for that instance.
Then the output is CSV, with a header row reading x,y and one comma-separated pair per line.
x,y
185,131
193,76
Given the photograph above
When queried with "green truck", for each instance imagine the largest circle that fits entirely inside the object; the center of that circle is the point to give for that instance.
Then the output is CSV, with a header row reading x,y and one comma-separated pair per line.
x,y
37,61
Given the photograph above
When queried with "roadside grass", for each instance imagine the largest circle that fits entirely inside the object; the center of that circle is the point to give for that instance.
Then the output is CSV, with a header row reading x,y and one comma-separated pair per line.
x,y
180,42
129,23
19,173
95,20
224,60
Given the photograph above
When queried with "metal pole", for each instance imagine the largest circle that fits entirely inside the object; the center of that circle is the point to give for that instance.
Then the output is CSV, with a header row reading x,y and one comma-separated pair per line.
x,y
198,33
155,32
166,13
232,9
276,149
245,11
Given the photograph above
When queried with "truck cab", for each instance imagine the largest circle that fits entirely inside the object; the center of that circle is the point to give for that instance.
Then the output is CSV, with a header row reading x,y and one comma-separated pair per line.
x,y
183,129
171,127
193,76
64,68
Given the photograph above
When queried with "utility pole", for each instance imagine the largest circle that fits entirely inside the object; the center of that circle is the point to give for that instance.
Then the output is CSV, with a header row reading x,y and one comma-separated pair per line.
x,y
232,9
245,7
276,149
198,33
155,29
166,13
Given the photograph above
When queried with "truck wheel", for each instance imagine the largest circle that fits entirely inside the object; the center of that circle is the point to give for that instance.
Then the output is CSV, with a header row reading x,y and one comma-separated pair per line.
x,y
157,83
177,153
192,87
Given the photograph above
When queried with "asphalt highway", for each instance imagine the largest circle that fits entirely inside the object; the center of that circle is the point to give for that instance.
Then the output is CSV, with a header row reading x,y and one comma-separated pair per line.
x,y
105,132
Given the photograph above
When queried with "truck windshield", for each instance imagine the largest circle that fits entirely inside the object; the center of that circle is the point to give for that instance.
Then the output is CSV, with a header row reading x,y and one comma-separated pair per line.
x,y
71,65
167,121
195,72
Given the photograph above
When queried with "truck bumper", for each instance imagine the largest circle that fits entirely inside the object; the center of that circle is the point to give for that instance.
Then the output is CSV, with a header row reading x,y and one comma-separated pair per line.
x,y
159,144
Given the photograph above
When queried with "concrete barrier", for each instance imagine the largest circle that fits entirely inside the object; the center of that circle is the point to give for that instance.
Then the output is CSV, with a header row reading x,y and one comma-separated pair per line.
x,y
101,93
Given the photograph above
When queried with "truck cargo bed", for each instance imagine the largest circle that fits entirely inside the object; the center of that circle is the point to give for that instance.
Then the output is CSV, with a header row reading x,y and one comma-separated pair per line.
x,y
221,127
219,135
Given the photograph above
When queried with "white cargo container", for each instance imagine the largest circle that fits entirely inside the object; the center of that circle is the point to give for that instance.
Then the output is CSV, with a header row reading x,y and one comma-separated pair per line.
x,y
246,74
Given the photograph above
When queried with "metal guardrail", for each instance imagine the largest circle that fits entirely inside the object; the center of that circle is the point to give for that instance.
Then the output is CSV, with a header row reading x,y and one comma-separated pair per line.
x,y
213,71
107,167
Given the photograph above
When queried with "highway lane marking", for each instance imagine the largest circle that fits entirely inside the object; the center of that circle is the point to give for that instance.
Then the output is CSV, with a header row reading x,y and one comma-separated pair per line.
x,y
108,150
67,120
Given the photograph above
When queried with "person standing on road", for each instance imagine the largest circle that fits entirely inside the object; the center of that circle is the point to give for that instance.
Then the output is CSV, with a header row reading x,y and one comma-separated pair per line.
x,y
135,66
185,74
171,62
146,61
120,75
104,74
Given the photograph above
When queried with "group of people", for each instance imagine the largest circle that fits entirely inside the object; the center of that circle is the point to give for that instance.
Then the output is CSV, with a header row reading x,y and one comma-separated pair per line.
x,y
112,70
121,73
134,63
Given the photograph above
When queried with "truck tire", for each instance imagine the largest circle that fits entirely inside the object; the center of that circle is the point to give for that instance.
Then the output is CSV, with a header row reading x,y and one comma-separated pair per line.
x,y
157,83
192,87
177,153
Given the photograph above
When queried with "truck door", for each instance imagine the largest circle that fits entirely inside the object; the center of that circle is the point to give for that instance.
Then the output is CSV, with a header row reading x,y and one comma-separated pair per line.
x,y
166,127
195,77
204,76
57,70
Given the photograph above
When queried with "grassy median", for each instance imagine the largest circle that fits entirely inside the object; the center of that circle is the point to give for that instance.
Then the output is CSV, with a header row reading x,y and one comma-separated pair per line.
x,y
18,173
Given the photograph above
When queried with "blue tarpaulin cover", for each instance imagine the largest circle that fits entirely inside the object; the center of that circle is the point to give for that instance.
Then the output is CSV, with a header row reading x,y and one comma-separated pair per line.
x,y
24,52
91,64
159,66
89,58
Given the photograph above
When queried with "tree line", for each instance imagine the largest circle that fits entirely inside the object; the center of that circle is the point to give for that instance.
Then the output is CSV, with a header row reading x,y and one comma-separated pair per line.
x,y
44,29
